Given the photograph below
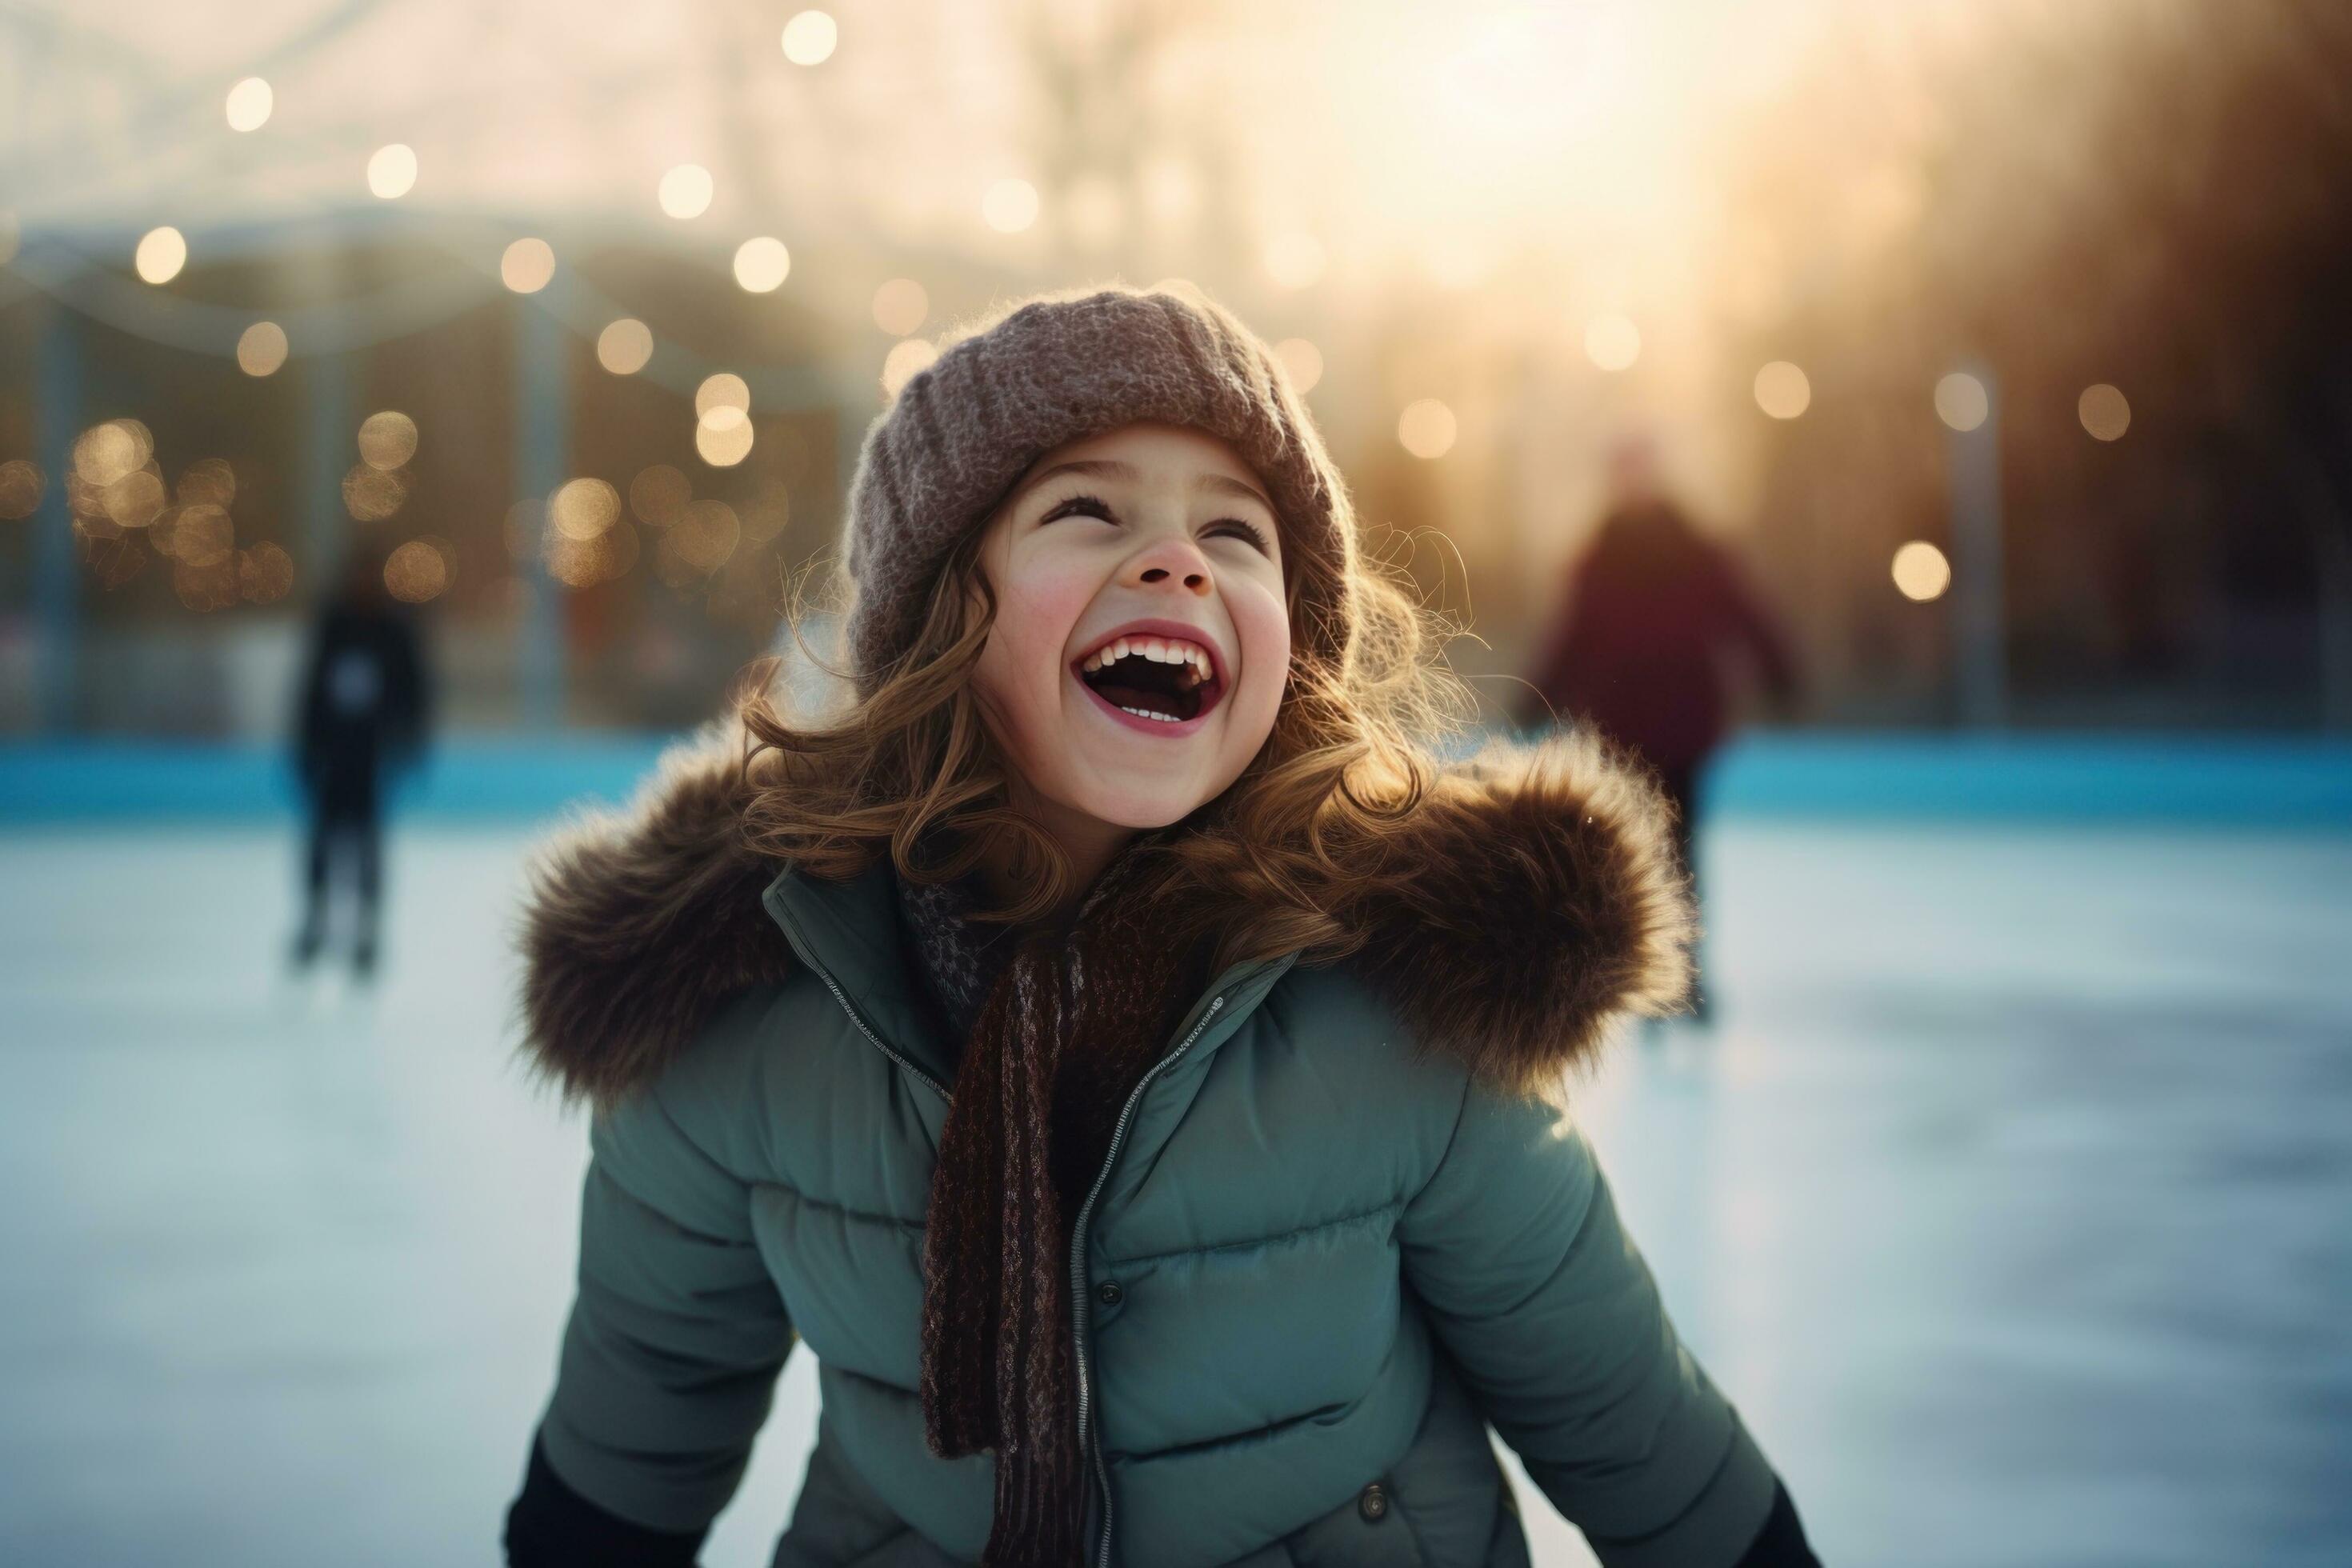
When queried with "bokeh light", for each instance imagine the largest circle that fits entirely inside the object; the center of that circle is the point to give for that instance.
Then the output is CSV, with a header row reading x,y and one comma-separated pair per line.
x,y
905,362
265,573
261,349
658,494
1302,362
105,452
250,103
810,38
1426,428
771,507
162,252
1009,206
1294,259
418,571
1611,341
723,402
625,346
583,508
209,585
1782,391
1961,401
392,171
762,265
2105,411
1920,571
723,449
136,499
685,191
579,561
387,440
703,535
203,536
207,481
527,266
371,495
899,306
22,485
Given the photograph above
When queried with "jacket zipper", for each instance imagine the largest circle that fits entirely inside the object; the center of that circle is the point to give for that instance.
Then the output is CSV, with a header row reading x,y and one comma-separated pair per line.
x,y
1087,1438
917,1074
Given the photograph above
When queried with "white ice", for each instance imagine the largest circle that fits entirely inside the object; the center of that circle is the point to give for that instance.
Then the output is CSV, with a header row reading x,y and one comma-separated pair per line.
x,y
2012,1201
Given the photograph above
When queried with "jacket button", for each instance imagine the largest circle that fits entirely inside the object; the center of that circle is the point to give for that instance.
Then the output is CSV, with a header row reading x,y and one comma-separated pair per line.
x,y
1108,1293
1374,1504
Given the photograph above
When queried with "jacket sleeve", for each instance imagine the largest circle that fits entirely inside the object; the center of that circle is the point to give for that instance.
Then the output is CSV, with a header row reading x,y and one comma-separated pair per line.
x,y
1541,1298
671,1354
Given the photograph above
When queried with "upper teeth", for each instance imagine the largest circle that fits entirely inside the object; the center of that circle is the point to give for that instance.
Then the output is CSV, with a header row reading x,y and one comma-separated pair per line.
x,y
1159,651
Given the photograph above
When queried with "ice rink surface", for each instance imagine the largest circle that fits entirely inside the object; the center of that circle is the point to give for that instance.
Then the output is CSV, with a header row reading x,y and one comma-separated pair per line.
x,y
2010,1200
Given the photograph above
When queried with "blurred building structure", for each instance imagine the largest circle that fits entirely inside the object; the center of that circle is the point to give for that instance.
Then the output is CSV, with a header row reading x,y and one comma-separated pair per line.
x,y
2006,340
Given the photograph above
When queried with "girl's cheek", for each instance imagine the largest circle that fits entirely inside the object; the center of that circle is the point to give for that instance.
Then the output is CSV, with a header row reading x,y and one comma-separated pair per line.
x,y
1049,586
1037,612
1262,621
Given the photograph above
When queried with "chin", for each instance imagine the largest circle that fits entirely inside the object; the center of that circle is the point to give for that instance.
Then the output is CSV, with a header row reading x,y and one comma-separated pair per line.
x,y
1153,800
1142,815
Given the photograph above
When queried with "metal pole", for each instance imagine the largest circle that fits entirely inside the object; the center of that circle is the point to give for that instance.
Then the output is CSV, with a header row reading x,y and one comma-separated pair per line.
x,y
57,586
1977,618
330,447
542,435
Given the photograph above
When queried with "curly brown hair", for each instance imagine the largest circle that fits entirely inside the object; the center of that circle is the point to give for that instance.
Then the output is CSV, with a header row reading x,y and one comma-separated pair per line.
x,y
1278,861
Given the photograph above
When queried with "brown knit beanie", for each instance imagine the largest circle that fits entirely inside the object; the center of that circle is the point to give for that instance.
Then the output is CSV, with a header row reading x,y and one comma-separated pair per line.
x,y
1061,368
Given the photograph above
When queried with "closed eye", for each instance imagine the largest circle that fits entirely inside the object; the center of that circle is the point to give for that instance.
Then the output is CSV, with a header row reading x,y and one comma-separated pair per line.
x,y
1094,506
1255,535
1081,506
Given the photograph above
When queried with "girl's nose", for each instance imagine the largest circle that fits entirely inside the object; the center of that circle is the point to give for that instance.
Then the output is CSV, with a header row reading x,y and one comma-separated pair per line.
x,y
1177,562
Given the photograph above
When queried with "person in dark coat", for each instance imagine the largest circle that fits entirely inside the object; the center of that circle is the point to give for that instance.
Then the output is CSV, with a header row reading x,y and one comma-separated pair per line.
x,y
1652,612
366,703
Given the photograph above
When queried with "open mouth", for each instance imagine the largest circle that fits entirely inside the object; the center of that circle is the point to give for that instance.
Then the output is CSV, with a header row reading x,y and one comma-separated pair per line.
x,y
1161,681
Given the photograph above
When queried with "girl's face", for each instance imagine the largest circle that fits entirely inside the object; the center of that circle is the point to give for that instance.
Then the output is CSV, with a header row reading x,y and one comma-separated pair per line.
x,y
1141,641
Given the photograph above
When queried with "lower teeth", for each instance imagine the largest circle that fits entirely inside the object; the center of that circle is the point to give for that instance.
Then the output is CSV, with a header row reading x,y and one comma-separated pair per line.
x,y
1147,713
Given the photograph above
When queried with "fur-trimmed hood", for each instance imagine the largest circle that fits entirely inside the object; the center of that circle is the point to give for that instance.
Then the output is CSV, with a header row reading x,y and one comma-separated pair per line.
x,y
1543,904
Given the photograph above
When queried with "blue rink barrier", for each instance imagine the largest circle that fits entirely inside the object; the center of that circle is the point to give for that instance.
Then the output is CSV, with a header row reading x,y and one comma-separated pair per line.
x,y
2234,779
2286,782
486,778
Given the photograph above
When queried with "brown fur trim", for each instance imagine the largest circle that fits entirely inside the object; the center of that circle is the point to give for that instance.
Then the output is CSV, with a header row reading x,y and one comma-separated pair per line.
x,y
636,926
1533,902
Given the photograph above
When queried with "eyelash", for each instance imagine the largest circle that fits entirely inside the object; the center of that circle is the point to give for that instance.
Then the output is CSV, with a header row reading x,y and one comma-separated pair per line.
x,y
1070,507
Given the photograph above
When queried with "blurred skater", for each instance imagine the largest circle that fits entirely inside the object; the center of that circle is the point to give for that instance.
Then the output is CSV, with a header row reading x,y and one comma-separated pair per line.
x,y
1637,649
365,701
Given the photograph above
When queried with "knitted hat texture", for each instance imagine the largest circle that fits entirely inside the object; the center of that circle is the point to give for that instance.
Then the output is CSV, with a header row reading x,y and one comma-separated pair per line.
x,y
938,462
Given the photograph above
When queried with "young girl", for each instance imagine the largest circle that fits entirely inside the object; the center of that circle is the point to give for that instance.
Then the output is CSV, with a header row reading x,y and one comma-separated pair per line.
x,y
1128,1059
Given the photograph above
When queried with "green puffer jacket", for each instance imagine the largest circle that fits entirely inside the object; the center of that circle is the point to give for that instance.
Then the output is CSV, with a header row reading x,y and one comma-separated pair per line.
x,y
1332,1243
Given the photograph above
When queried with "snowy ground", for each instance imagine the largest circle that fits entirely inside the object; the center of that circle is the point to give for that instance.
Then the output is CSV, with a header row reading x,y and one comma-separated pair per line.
x,y
2009,1202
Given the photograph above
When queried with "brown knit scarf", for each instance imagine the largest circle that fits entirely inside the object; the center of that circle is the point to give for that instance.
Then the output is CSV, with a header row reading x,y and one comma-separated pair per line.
x,y
1079,1013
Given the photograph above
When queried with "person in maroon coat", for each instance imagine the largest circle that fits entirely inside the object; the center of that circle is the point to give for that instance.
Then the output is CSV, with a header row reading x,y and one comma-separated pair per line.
x,y
1653,613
